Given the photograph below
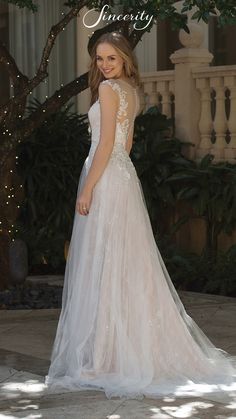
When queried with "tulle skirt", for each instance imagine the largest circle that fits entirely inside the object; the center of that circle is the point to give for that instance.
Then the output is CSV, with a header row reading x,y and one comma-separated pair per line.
x,y
123,329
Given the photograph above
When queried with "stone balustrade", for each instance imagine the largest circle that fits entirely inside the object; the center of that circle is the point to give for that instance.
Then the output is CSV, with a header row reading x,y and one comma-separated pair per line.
x,y
200,97
158,90
217,123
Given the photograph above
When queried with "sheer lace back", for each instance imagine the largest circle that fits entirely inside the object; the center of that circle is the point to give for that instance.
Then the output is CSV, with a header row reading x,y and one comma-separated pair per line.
x,y
129,105
128,108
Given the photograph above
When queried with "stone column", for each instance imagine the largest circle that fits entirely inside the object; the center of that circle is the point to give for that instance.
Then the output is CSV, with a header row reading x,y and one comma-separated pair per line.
x,y
187,97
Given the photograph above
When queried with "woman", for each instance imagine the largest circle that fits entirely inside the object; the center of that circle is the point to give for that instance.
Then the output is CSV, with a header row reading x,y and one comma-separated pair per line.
x,y
123,328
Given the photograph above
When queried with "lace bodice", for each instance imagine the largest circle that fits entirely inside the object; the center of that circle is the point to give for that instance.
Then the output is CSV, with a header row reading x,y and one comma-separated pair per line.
x,y
128,109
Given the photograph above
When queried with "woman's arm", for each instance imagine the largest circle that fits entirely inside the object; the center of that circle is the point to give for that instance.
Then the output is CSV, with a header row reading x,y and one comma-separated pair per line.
x,y
109,107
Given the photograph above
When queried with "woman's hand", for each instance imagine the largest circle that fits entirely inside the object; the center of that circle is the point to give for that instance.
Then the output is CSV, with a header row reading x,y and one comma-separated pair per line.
x,y
84,200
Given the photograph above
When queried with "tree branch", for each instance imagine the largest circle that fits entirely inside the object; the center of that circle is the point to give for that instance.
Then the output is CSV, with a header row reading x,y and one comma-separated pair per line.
x,y
61,96
10,64
42,70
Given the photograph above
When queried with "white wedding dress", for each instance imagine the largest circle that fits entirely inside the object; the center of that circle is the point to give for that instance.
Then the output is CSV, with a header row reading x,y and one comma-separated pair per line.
x,y
123,329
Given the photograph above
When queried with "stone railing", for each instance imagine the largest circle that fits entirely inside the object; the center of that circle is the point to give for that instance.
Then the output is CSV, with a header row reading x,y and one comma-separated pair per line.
x,y
217,124
158,89
202,99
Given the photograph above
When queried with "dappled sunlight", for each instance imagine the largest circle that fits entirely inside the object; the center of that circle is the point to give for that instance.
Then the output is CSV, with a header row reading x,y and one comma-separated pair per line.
x,y
213,392
166,408
31,416
184,411
25,398
231,405
29,386
15,389
29,408
173,408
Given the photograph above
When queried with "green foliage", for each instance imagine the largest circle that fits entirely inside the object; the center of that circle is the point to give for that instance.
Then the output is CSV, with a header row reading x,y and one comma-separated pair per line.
x,y
211,190
167,177
225,10
157,155
28,4
200,273
50,162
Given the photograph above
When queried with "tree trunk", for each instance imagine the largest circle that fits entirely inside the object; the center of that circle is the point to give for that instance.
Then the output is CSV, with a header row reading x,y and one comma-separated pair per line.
x,y
11,197
4,260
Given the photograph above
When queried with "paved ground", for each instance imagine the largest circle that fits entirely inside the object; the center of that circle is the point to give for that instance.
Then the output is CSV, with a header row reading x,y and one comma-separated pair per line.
x,y
26,338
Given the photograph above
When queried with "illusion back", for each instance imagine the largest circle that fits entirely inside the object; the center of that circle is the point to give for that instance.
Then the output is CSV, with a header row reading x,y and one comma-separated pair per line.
x,y
128,109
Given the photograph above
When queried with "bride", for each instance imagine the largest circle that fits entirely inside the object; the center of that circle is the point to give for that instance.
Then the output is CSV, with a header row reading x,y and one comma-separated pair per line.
x,y
123,329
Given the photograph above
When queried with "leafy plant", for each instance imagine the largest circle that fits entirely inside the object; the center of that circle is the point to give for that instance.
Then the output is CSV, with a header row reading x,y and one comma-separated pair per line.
x,y
50,162
157,155
169,178
200,273
211,191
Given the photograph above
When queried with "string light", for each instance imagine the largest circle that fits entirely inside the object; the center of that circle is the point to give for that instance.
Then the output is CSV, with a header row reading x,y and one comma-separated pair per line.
x,y
11,199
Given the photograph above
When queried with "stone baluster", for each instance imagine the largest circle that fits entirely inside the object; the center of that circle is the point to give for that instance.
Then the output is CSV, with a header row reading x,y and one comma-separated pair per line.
x,y
142,98
150,92
220,122
205,123
163,89
230,149
172,93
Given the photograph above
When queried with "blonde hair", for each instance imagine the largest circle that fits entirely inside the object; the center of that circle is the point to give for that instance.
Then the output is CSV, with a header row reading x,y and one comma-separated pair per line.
x,y
122,46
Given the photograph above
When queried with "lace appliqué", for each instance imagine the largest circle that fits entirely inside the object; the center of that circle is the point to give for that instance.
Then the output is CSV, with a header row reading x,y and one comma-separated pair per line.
x,y
122,111
123,162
